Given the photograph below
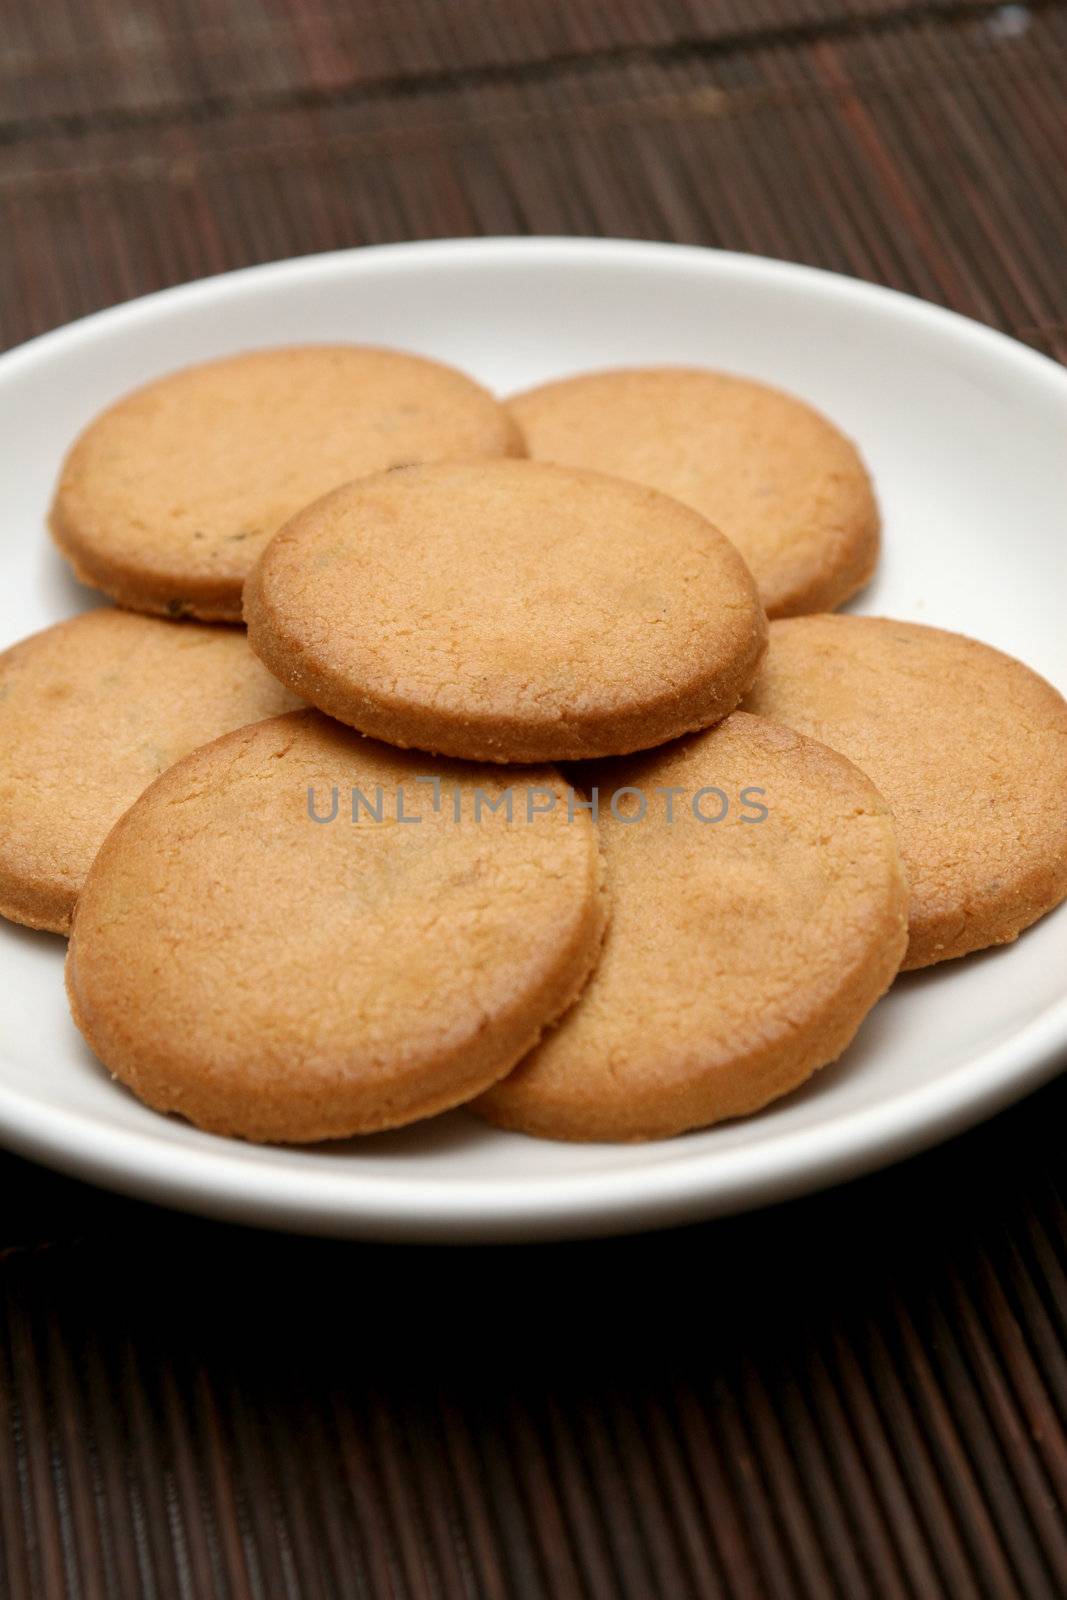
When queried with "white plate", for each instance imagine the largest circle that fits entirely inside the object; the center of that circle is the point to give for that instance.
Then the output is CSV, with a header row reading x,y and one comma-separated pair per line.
x,y
964,431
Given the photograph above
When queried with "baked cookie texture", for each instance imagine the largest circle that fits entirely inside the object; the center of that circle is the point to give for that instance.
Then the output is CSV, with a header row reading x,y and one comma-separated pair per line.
x,y
277,978
741,956
778,478
168,497
92,710
507,611
969,748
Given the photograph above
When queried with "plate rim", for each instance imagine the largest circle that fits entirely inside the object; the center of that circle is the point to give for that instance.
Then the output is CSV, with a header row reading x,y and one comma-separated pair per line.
x,y
586,1205
736,262
222,1183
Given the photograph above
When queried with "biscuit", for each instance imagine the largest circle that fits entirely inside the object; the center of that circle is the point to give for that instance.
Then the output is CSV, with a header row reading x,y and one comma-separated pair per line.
x,y
742,953
91,711
779,479
168,497
277,978
507,611
969,748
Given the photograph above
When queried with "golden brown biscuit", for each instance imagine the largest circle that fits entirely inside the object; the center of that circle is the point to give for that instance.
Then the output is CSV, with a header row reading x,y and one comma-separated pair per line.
x,y
166,500
779,479
969,748
507,611
742,953
90,712
278,978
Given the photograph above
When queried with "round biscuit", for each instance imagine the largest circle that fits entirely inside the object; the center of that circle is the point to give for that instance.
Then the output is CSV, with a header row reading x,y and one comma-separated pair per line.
x,y
778,478
168,497
264,946
969,748
758,912
507,611
92,710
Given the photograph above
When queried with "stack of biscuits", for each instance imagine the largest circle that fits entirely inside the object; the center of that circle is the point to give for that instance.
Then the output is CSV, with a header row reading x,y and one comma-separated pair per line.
x,y
507,793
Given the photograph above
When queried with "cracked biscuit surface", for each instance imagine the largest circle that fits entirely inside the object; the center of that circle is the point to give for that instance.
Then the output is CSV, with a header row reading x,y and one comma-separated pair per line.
x,y
786,486
168,497
969,748
507,611
278,978
91,711
741,956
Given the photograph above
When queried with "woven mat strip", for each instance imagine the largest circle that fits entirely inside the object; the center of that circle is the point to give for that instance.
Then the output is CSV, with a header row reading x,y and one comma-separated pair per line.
x,y
915,157
864,1397
69,59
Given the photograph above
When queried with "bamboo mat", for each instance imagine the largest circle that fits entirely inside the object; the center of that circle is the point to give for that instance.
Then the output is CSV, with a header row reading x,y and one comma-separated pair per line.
x,y
860,1394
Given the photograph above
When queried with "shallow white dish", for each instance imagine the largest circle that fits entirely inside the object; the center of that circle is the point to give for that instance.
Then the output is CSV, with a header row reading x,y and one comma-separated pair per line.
x,y
964,432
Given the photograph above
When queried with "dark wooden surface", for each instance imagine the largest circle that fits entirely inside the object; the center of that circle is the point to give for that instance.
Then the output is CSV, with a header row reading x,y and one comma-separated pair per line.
x,y
860,1394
